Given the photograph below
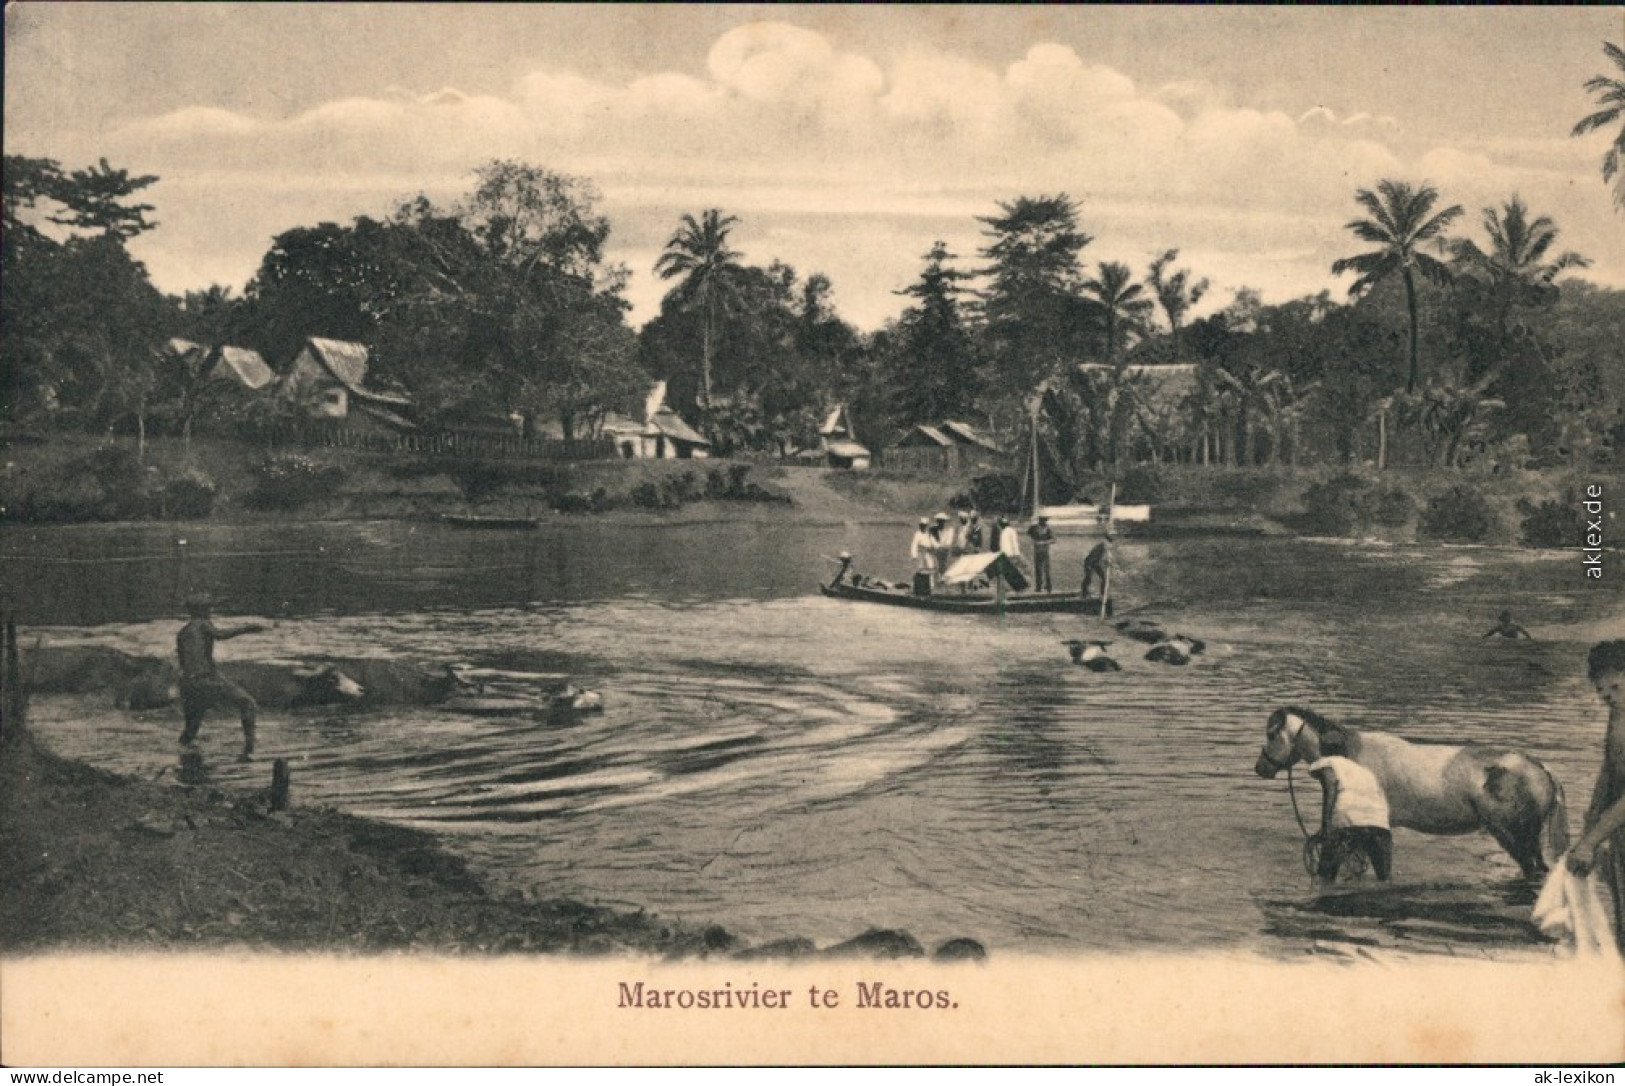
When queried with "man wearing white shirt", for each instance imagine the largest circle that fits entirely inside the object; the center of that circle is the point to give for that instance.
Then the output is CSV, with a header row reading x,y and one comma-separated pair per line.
x,y
1353,815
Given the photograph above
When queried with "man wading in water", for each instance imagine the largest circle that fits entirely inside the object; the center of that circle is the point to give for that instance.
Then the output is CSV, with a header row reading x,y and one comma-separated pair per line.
x,y
202,687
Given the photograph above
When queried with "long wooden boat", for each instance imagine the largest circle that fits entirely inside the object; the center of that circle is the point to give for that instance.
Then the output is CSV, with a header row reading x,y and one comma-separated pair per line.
x,y
969,604
467,520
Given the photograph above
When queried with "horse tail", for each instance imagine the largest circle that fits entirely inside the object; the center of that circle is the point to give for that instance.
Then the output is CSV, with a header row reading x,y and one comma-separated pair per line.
x,y
1554,830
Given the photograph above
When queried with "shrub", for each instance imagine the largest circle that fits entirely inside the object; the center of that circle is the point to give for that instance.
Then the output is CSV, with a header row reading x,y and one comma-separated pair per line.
x,y
685,488
600,500
1560,523
1459,515
1141,483
1391,507
189,494
646,495
716,484
571,501
736,479
477,480
292,481
1334,507
75,498
991,494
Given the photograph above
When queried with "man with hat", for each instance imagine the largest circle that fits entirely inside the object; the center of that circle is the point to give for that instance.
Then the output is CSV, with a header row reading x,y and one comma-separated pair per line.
x,y
1005,540
1043,538
1098,561
202,686
942,546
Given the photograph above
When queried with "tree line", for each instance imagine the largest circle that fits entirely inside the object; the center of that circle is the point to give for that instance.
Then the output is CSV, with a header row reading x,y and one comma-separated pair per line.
x,y
1452,345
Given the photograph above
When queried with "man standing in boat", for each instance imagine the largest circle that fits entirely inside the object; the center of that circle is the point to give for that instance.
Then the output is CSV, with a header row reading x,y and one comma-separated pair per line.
x,y
1098,561
1043,538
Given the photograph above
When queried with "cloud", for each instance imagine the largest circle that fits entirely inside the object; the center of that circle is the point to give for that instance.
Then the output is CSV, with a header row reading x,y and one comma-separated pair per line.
x,y
785,127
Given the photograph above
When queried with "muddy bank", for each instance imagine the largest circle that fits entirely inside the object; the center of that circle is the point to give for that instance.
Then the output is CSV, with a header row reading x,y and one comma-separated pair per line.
x,y
94,861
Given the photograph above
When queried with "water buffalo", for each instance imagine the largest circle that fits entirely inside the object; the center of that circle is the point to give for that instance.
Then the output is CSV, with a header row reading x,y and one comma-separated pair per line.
x,y
157,685
280,686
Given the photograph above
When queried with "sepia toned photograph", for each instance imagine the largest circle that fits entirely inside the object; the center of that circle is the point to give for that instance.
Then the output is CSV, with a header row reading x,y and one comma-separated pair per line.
x,y
541,534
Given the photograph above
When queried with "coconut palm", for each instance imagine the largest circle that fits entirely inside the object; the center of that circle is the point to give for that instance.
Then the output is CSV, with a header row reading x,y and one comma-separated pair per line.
x,y
1610,94
1175,291
1123,303
699,253
1515,269
1401,222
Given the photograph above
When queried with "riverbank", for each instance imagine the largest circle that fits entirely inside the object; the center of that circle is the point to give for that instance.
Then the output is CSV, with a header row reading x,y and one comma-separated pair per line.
x,y
75,479
94,861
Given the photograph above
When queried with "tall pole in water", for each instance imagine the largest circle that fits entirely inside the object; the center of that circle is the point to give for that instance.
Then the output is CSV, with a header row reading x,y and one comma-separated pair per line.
x,y
1106,581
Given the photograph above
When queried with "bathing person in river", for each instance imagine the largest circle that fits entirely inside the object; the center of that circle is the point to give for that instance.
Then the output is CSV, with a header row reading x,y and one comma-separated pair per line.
x,y
1605,818
1353,815
1505,627
202,686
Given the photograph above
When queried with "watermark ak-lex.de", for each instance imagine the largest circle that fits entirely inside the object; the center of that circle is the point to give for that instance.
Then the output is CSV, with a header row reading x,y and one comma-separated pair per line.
x,y
1593,536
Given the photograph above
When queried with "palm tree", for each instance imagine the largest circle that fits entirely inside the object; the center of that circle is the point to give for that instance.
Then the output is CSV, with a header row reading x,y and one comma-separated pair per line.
x,y
1515,269
1123,303
1610,94
1401,223
1175,292
699,252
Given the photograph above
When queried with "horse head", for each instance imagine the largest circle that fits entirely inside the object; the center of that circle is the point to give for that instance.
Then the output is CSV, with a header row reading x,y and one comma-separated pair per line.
x,y
1294,735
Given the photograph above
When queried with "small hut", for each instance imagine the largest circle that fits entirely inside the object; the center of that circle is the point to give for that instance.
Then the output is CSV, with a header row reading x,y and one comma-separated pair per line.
x,y
840,444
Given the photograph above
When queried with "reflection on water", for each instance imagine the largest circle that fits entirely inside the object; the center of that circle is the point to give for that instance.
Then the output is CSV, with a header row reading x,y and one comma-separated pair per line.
x,y
790,765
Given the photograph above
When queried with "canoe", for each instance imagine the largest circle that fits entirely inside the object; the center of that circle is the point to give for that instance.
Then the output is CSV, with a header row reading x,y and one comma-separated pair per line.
x,y
970,604
465,520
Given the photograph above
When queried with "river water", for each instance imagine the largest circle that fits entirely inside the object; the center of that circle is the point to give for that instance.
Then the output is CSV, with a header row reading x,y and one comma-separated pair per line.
x,y
785,765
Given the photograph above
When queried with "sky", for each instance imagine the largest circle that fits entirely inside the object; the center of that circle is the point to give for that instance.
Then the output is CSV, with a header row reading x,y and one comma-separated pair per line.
x,y
845,139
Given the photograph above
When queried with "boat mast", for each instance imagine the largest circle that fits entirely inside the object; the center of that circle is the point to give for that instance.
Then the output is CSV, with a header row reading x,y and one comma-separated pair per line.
x,y
1038,403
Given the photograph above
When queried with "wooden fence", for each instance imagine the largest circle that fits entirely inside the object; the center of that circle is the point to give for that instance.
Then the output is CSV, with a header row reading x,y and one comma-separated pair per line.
x,y
452,444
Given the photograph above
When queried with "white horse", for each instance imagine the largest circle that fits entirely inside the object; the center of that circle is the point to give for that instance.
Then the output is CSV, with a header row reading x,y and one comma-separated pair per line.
x,y
1437,787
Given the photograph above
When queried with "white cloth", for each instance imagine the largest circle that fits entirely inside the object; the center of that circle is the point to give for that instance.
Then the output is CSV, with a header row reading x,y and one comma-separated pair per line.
x,y
1569,909
1360,799
1010,542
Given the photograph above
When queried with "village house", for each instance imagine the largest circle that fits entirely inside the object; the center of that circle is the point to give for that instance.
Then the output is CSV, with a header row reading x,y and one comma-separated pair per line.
x,y
660,435
949,445
839,443
328,380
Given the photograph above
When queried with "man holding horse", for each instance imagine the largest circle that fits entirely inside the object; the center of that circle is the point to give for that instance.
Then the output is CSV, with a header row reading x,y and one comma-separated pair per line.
x,y
1605,818
1353,816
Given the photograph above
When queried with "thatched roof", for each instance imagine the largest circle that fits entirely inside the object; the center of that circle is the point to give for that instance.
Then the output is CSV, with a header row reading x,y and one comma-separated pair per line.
x,y
346,361
242,365
666,422
946,434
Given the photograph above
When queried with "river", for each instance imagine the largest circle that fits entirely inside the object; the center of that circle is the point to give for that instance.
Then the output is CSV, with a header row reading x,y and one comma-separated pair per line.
x,y
788,765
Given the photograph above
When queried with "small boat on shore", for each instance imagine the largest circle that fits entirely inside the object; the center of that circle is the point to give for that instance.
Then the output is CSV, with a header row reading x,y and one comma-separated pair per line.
x,y
970,603
469,520
1089,519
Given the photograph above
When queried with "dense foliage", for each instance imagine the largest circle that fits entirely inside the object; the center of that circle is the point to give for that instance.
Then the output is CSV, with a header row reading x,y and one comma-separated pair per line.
x,y
1458,347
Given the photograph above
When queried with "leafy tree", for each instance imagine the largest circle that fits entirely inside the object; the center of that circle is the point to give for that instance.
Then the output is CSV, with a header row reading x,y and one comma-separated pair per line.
x,y
1036,318
698,253
1610,92
94,200
79,317
1402,221
935,366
